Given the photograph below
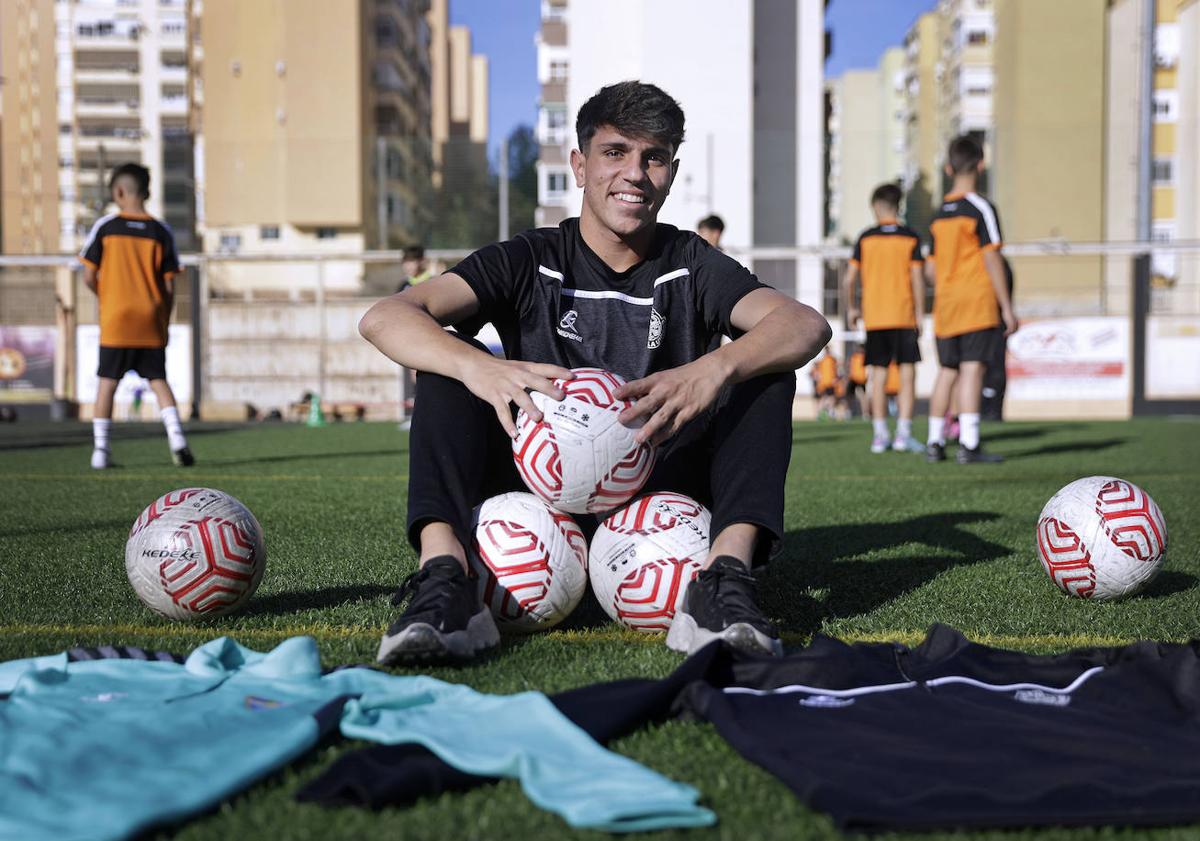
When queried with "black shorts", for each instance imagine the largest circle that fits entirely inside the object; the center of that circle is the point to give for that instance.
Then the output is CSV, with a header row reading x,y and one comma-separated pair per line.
x,y
883,347
976,346
149,362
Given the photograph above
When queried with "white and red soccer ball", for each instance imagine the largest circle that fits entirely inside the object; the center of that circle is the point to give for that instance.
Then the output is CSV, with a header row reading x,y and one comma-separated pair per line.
x,y
1101,538
644,556
195,553
579,458
530,562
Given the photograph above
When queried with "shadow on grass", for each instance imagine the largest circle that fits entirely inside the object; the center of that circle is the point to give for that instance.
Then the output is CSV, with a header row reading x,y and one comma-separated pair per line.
x,y
295,601
1068,447
59,528
830,558
1168,583
814,439
41,436
226,462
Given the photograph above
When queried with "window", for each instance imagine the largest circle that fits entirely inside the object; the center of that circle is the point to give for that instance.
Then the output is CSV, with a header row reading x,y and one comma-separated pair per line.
x,y
558,70
1166,106
326,233
978,37
230,243
1166,45
1162,171
556,183
268,232
1163,231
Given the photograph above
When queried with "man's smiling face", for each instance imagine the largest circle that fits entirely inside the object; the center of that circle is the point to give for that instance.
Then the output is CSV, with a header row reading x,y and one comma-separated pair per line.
x,y
625,180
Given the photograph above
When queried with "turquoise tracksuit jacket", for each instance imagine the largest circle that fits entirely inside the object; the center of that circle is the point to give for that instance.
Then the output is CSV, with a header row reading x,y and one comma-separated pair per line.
x,y
103,749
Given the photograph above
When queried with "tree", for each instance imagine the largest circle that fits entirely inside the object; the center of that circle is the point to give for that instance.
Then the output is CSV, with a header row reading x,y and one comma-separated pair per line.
x,y
522,178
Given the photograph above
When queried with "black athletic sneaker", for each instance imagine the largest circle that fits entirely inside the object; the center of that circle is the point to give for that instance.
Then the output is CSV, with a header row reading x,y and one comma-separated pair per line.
x,y
719,604
976,456
443,620
935,452
183,457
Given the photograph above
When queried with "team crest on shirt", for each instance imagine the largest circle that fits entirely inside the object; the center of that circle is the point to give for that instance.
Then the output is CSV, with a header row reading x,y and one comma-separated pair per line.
x,y
656,329
566,327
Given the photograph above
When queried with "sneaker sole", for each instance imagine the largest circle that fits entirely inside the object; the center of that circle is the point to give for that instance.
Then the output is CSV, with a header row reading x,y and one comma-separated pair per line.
x,y
421,642
688,637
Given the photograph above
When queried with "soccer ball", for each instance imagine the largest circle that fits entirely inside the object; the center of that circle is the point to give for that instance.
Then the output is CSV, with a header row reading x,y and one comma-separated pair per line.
x,y
643,557
579,458
531,562
195,552
1101,538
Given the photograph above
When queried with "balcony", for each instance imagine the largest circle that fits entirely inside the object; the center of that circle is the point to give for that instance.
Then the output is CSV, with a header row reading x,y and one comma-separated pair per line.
x,y
119,70
554,91
174,106
554,33
102,106
105,42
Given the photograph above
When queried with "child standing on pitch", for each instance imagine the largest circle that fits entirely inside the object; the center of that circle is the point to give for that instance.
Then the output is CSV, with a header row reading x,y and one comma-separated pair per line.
x,y
888,259
972,311
130,263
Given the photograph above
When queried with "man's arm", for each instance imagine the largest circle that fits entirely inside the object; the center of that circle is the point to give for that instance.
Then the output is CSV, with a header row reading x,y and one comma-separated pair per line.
x,y
853,314
781,334
918,292
995,269
91,278
408,329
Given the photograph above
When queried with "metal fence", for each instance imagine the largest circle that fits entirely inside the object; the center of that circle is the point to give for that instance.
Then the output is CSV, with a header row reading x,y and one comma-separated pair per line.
x,y
256,334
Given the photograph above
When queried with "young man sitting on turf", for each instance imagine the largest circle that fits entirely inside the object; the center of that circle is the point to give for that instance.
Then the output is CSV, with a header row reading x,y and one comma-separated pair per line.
x,y
611,289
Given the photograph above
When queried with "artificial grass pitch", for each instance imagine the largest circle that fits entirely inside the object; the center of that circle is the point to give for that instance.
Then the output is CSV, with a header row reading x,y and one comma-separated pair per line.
x,y
878,547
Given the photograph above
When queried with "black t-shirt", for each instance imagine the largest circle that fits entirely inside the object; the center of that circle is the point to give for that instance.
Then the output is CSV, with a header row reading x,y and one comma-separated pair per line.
x,y
553,300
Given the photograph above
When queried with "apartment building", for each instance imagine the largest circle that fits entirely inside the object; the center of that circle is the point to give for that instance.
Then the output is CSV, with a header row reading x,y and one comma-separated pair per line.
x,y
460,116
867,140
922,95
554,124
753,95
89,85
966,72
1187,202
315,132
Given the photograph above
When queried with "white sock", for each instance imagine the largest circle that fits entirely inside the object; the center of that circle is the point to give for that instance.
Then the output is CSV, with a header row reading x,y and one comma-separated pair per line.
x,y
968,429
170,419
936,426
100,428
904,428
881,427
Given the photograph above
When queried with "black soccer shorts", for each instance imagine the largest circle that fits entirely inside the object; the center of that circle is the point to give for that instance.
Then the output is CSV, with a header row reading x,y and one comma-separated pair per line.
x,y
976,346
883,347
149,362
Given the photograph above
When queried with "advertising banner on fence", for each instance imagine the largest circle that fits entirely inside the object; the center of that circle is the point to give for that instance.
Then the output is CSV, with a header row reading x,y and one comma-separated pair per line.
x,y
1173,357
26,364
179,366
1070,359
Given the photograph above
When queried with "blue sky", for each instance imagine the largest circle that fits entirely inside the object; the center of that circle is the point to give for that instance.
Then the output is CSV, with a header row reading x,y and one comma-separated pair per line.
x,y
863,29
503,30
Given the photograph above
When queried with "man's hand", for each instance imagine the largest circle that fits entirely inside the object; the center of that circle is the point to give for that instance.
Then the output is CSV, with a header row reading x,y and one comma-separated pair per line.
x,y
853,317
1010,321
669,399
918,320
501,382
